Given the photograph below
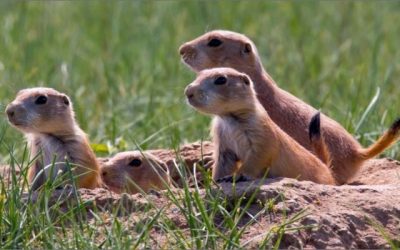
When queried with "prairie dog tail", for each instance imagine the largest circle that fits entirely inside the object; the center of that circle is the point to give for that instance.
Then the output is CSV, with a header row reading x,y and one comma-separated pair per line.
x,y
386,140
317,140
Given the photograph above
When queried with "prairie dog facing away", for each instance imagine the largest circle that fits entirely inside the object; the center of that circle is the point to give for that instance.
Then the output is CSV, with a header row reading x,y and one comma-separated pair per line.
x,y
247,142
47,119
220,48
134,171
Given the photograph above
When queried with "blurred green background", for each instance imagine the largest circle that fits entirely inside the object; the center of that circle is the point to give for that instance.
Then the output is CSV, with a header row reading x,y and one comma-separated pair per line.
x,y
119,62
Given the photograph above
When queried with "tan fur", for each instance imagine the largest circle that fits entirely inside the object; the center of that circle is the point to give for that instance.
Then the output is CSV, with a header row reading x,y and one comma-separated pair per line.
x,y
53,135
320,149
246,140
287,111
121,174
317,140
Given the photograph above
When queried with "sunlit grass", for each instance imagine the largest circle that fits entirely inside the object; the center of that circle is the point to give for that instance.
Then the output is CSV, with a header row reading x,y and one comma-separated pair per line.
x,y
120,65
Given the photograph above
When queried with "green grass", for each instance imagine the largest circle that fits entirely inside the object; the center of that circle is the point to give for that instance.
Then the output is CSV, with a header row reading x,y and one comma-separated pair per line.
x,y
118,62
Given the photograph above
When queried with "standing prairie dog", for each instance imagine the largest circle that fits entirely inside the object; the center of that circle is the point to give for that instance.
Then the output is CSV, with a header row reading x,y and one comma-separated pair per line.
x,y
221,48
47,119
247,142
134,171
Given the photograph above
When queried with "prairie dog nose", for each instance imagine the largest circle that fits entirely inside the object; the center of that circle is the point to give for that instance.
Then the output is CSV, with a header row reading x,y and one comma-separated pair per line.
x,y
189,91
104,171
10,110
185,48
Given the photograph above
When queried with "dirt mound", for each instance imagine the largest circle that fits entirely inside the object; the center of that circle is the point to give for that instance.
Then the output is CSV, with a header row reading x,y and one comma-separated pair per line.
x,y
349,216
340,217
199,152
378,172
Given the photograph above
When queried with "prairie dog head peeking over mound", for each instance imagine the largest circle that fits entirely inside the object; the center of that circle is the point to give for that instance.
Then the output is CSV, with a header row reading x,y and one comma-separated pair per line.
x,y
47,119
246,141
134,171
221,48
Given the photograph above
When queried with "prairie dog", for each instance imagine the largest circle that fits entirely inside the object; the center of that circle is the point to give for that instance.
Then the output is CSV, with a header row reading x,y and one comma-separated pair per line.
x,y
222,48
246,140
47,119
134,170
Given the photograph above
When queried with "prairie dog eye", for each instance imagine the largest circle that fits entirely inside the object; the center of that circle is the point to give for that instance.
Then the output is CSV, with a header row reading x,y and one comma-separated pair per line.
x,y
41,100
214,42
135,163
220,80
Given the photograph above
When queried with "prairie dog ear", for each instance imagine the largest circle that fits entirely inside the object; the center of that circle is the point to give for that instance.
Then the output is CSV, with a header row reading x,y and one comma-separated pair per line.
x,y
103,160
21,92
247,48
164,167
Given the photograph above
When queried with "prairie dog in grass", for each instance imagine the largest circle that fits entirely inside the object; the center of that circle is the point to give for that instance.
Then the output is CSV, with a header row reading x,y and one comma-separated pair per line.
x,y
220,48
246,140
157,168
47,119
134,171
